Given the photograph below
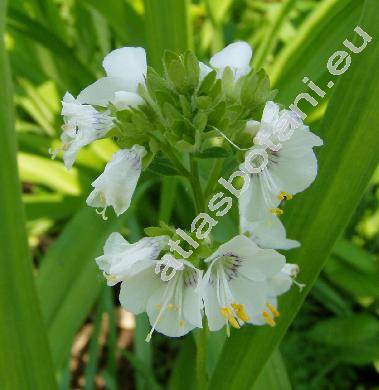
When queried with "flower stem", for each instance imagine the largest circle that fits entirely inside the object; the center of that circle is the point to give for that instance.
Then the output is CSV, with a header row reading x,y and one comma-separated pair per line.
x,y
214,175
201,357
196,186
166,148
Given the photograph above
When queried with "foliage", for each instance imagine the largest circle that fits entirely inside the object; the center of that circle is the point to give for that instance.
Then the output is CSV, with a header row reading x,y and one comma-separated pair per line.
x,y
57,45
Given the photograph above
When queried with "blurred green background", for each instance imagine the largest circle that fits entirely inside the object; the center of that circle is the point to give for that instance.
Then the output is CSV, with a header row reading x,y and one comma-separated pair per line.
x,y
58,45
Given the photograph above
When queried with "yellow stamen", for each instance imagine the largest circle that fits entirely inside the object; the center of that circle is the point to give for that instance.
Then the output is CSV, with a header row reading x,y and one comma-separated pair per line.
x,y
274,312
240,311
181,323
227,313
276,211
268,319
170,306
285,196
158,306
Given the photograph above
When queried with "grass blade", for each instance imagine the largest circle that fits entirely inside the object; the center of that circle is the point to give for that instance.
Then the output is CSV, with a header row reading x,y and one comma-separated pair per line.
x,y
25,361
167,28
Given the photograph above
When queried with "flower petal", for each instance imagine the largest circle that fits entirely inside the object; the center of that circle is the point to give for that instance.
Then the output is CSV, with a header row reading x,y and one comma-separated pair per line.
x,y
123,100
212,309
237,56
204,71
116,185
170,323
268,233
102,91
128,63
136,291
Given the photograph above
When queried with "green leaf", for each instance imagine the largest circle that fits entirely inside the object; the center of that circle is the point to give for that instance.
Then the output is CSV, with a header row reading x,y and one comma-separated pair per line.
x,y
349,133
123,18
345,331
214,152
80,74
52,174
274,374
318,37
167,28
163,166
25,361
182,375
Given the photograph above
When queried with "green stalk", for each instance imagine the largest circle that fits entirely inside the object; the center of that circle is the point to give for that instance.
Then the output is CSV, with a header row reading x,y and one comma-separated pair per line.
x,y
196,186
201,338
214,175
25,361
271,35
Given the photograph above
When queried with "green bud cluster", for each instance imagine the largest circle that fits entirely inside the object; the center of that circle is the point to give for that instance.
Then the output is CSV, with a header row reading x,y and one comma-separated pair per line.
x,y
192,116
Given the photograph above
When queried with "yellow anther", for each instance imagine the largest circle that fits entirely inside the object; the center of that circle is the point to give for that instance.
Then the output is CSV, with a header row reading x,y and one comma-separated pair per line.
x,y
240,311
234,322
285,196
268,319
276,211
170,306
227,313
274,312
181,323
158,306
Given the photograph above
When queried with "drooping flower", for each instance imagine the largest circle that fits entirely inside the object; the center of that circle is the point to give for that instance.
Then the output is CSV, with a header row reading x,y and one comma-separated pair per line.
x,y
126,68
121,259
83,124
236,285
174,306
277,285
236,56
116,185
290,166
268,233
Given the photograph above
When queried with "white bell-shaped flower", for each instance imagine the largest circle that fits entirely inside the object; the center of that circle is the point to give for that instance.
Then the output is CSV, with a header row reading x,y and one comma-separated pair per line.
x,y
235,286
290,165
116,185
121,259
277,285
236,56
126,68
83,124
174,306
268,233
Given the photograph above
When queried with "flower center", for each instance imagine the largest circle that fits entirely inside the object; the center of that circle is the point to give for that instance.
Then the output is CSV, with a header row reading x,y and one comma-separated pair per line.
x,y
168,262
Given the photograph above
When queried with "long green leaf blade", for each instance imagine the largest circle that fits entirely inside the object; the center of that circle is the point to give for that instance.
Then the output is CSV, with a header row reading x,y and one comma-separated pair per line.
x,y
25,361
167,28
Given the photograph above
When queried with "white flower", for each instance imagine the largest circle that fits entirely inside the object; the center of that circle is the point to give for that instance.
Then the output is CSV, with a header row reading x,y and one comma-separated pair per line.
x,y
268,233
277,285
83,124
236,56
120,258
174,307
291,163
116,185
235,287
125,68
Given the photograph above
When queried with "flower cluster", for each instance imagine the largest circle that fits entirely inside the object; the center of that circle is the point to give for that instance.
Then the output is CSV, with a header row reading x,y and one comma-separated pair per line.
x,y
190,113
